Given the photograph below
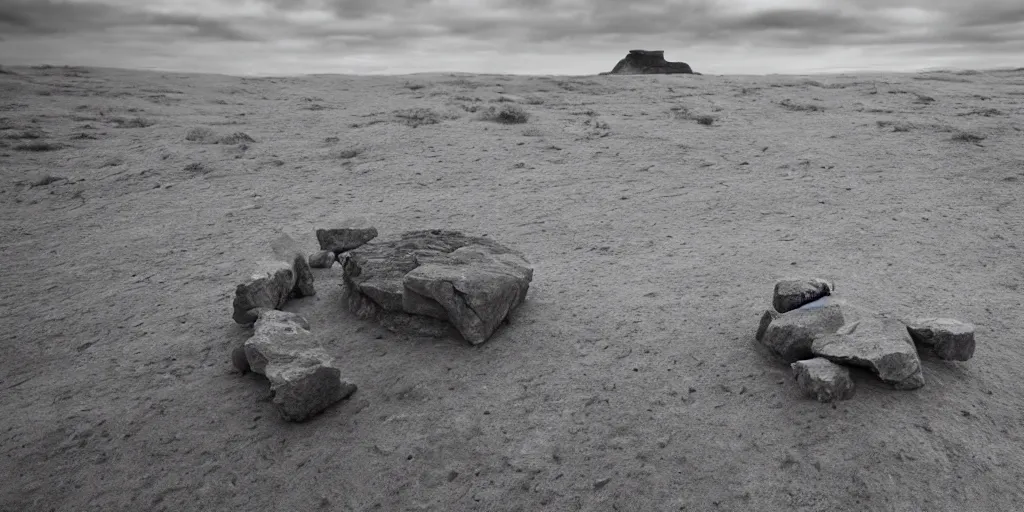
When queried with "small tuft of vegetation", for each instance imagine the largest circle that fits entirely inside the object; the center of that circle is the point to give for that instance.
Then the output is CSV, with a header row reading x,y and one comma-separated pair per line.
x,y
134,122
972,138
801,107
39,146
415,117
705,120
507,114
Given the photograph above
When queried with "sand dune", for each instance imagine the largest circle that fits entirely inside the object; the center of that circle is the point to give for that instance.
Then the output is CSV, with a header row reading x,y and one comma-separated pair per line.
x,y
658,212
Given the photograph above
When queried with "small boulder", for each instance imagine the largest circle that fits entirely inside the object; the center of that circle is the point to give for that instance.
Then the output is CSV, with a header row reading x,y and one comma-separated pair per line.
x,y
303,378
286,275
880,344
766,320
791,334
949,339
322,259
793,293
823,380
350,234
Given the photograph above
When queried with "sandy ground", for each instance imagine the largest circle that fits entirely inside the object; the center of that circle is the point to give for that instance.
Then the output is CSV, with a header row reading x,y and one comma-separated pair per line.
x,y
629,380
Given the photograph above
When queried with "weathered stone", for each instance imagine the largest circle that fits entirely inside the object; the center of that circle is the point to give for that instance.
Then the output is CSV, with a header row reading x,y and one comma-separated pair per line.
x,y
322,259
766,320
240,360
823,380
949,339
275,280
879,344
303,377
472,282
791,334
791,294
645,62
350,234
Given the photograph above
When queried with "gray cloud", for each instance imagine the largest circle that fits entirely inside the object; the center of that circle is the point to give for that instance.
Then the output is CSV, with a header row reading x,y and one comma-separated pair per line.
x,y
50,17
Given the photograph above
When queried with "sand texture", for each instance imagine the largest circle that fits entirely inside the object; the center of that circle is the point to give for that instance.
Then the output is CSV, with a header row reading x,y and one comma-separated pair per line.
x,y
657,213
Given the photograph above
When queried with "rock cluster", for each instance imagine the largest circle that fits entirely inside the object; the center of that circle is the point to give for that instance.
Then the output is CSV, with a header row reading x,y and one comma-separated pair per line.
x,y
809,327
473,283
647,62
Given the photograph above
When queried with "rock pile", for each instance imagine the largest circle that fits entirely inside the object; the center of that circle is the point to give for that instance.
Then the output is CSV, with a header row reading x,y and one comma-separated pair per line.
x,y
809,327
275,280
473,283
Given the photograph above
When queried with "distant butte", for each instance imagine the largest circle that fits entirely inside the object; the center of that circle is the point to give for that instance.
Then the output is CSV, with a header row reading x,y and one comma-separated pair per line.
x,y
648,62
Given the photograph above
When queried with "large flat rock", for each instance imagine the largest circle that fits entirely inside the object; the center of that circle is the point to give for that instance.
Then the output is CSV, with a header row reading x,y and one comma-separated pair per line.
x,y
880,344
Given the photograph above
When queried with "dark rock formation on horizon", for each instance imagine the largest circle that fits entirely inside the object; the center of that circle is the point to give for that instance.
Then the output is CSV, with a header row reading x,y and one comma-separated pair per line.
x,y
648,62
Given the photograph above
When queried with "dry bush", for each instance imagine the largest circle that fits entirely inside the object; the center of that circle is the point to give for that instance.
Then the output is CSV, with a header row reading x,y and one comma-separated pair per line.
x,y
134,122
415,117
39,146
507,114
801,107
967,137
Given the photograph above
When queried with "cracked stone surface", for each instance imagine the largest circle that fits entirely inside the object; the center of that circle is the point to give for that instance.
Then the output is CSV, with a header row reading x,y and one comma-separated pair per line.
x,y
303,378
473,283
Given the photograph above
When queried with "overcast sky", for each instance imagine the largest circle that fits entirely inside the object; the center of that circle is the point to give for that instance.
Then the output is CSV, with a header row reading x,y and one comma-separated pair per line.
x,y
512,36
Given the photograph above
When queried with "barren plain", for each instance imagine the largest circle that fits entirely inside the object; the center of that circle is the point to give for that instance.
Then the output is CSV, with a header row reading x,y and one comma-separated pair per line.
x,y
657,211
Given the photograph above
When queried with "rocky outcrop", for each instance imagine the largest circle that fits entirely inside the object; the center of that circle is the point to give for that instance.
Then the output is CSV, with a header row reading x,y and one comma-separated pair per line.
x,y
949,339
423,277
648,62
823,380
879,344
274,281
303,378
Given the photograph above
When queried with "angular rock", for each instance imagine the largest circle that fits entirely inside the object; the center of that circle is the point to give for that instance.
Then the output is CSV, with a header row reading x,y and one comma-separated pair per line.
x,y
791,334
791,294
949,339
303,377
273,282
823,380
322,259
350,234
880,344
766,319
474,283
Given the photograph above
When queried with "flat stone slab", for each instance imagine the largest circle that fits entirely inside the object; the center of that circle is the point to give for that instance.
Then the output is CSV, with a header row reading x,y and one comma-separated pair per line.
x,y
791,294
346,235
284,275
790,334
880,344
949,339
823,380
303,377
473,283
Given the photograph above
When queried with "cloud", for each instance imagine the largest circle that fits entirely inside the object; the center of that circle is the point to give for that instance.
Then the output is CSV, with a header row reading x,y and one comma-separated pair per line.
x,y
52,17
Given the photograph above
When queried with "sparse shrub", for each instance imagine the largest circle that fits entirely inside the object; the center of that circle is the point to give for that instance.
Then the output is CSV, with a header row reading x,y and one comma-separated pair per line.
x,y
235,138
415,117
196,168
39,146
797,107
200,134
135,122
705,120
972,138
507,114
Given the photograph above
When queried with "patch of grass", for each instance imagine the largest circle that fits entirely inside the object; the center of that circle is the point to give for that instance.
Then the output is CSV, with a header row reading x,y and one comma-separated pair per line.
x,y
200,134
39,146
415,117
134,122
801,107
235,138
972,138
507,114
